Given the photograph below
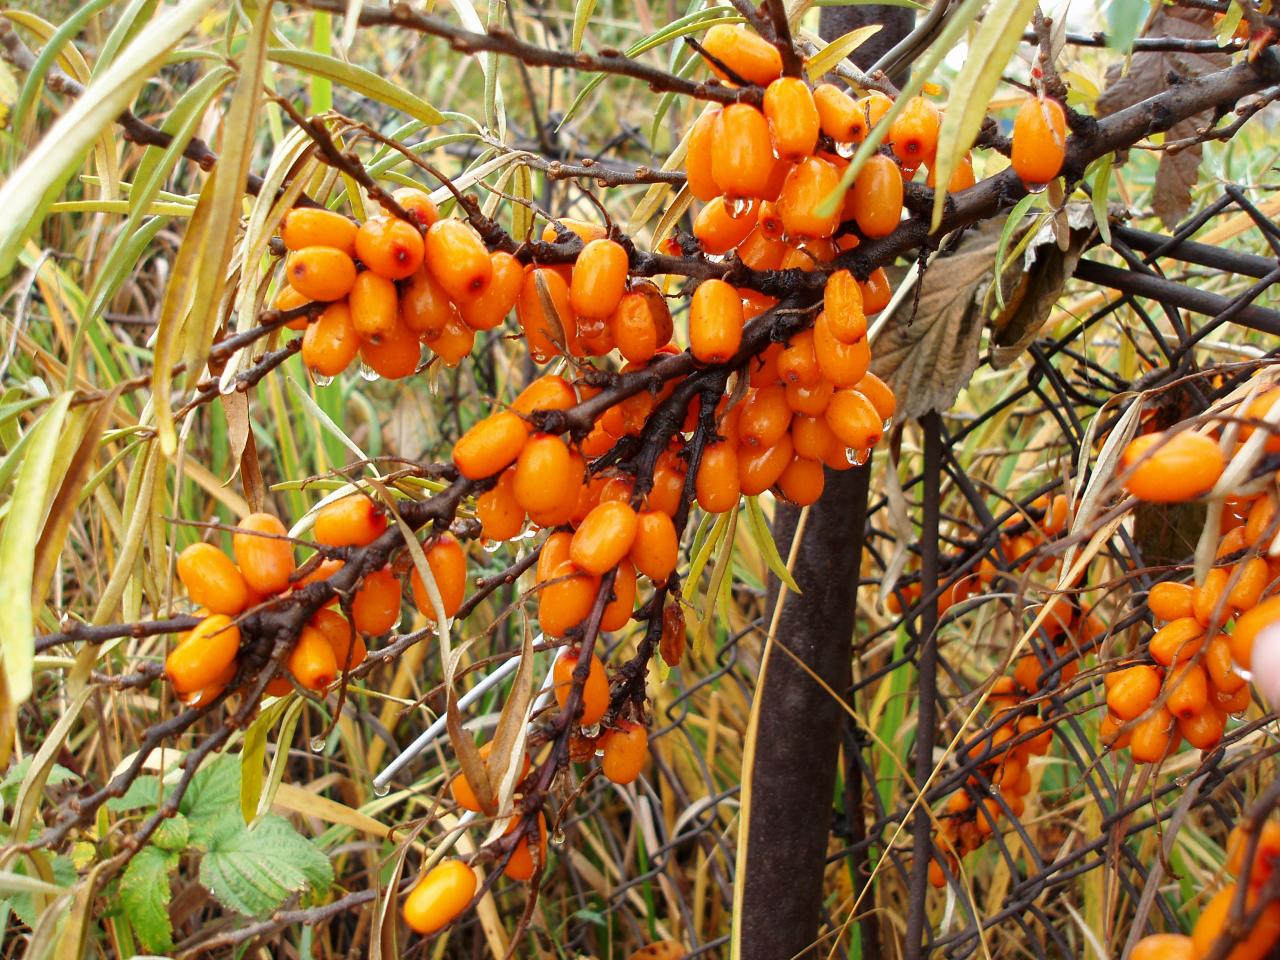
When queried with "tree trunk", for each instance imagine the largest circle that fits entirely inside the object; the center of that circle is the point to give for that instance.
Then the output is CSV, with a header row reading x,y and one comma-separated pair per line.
x,y
798,722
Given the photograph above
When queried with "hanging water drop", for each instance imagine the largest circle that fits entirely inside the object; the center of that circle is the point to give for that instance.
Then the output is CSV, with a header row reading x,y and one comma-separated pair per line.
x,y
317,744
492,546
886,425
846,150
1036,187
381,789
591,731
739,207
368,373
558,838
321,379
856,458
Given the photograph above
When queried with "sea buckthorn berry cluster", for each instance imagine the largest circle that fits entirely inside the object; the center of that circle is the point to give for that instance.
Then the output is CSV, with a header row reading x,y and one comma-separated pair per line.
x,y
264,569
387,287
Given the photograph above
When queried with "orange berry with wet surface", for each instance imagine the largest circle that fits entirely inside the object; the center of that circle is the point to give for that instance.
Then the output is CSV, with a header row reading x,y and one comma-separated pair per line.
x,y
876,291
353,521
720,226
320,273
425,307
520,866
914,132
701,148
566,598
492,305
1160,468
440,896
854,420
742,162
656,548
626,748
793,118
448,564
456,256
396,354
715,322
491,445
212,579
743,51
316,227
374,304
765,416
1039,141
348,646
501,516
599,279
464,794
550,332
1131,691
331,342
809,184
604,538
760,468
543,472
375,608
389,247
311,661
418,204
452,344
838,114
595,690
802,482
716,482
877,197
1164,946
203,655
265,558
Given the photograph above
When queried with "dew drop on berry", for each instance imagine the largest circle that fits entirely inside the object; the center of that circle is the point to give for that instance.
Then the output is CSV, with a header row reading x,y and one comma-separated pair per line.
x,y
368,373
1036,187
591,731
856,458
846,150
738,207
320,379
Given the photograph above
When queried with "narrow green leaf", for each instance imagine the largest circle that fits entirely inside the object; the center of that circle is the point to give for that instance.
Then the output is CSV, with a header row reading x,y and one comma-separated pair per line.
x,y
1124,20
582,12
33,85
764,539
1099,189
275,773
825,59
358,79
253,753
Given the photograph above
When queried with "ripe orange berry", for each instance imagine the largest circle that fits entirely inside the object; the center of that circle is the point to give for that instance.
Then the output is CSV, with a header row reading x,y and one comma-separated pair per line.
x,y
1257,409
881,397
1039,141
877,197
1154,738
625,751
742,162
1210,597
549,333
491,445
396,354
1260,519
389,247
656,549
1164,946
543,472
914,132
1188,690
425,307
457,258
440,896
375,608
842,305
1232,703
348,646
813,438
1251,580
874,106
212,579
312,662
490,307
1255,941
353,521
843,364
555,551
501,516
1265,857
715,322
798,363
807,187
463,793
584,230
315,227
746,53
1168,469
854,420
793,118
520,866
1170,601
203,655
566,599
668,484
838,114
1249,625
595,691
418,204
617,612
1218,661
448,564
1111,733
211,691
453,343
604,537
320,273
876,291
290,299
810,401
802,481
265,561
760,468
374,304
1177,641
962,177
765,417
701,148
641,324
716,484
1203,730
1131,691
719,228
599,279
331,343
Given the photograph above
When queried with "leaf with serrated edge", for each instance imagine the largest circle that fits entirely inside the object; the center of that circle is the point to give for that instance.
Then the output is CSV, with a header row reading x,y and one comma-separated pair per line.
x,y
254,869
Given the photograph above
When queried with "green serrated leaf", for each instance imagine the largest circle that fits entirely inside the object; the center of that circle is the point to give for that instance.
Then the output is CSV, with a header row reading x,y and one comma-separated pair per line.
x,y
142,793
17,773
173,834
253,869
358,79
214,791
764,540
144,895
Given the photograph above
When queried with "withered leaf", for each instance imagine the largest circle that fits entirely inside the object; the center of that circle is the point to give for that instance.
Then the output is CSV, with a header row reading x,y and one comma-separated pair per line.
x,y
1150,74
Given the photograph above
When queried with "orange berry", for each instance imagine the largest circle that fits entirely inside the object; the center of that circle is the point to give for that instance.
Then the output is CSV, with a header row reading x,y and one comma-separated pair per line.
x,y
668,484
1252,577
555,551
395,355
211,690
463,793
440,896
320,273
1154,738
842,305
617,612
604,538
542,473
874,106
716,484
389,247
962,177
520,866
1255,941
456,256
312,662
566,598
810,401
1177,641
881,397
353,521
813,438
626,749
802,481
549,333
1170,601
1265,856
1210,597
854,420
425,307
453,343
1188,690
595,690
375,608
501,516
599,279
1249,625
1232,703
212,579
1111,733
290,299
348,646
1260,520
765,417
1132,690
1039,140
491,445
701,148
793,118
548,392
843,364
265,561
760,468
1164,946
656,548
374,304
808,185
418,204
1203,730
877,197
719,229
742,162
331,343
715,322
448,564
747,54
914,132
490,307
584,230
1217,660
315,227
876,291
1257,409
798,363
1168,469
203,655
838,114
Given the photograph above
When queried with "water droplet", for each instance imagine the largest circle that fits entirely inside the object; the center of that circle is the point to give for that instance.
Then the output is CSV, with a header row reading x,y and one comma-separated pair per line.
x,y
320,379
368,373
846,150
1036,187
381,789
558,838
1183,781
539,356
739,207
590,328
994,789
856,458
599,751
317,744
887,425
1242,673
492,546
591,731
